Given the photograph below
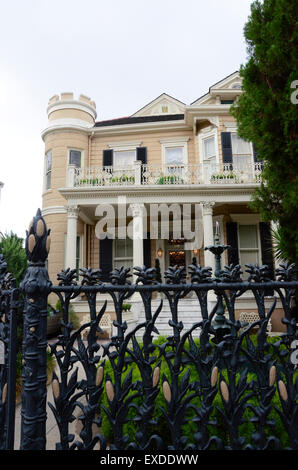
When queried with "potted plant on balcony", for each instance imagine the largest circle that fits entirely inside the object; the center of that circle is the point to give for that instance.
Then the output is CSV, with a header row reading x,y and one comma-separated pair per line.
x,y
170,179
232,177
122,179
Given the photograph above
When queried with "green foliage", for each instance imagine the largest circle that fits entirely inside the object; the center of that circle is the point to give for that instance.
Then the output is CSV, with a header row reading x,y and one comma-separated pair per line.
x,y
171,179
11,246
126,307
266,115
73,317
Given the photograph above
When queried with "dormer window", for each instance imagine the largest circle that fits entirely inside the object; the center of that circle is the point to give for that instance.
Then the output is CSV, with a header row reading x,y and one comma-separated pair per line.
x,y
236,86
164,109
226,101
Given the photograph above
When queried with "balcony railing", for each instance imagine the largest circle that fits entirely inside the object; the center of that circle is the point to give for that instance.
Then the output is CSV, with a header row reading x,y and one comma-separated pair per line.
x,y
151,175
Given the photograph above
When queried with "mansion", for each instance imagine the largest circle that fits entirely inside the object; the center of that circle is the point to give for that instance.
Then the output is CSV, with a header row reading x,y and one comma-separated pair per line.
x,y
169,155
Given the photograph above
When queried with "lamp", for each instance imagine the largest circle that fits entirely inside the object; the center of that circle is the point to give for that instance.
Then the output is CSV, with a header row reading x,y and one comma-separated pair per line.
x,y
159,252
196,251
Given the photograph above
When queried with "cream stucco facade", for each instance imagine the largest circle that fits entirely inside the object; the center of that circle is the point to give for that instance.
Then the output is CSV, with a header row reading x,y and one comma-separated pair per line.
x,y
166,153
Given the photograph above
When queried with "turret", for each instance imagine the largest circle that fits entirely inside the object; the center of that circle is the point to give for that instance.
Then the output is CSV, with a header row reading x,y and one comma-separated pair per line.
x,y
64,109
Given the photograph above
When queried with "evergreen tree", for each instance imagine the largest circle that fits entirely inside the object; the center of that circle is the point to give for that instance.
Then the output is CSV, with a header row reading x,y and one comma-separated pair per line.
x,y
11,246
267,116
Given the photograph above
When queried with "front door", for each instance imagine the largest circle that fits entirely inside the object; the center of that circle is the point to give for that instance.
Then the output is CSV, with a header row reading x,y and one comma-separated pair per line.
x,y
176,255
177,258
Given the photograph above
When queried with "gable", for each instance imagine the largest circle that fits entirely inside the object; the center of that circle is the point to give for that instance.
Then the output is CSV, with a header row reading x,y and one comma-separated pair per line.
x,y
225,88
162,105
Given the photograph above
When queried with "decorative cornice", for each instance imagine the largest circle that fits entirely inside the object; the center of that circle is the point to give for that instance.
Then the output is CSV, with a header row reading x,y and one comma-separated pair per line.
x,y
153,194
117,130
53,210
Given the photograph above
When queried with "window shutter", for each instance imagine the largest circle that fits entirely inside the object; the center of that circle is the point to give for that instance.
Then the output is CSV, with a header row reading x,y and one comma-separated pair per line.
x,y
147,251
232,240
266,250
107,157
106,258
226,145
142,154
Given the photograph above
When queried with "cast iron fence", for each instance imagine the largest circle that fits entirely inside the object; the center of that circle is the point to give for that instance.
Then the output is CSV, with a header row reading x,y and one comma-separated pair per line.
x,y
223,390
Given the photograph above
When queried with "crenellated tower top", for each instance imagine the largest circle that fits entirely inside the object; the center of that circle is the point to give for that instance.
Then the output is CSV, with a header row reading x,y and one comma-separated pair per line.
x,y
66,108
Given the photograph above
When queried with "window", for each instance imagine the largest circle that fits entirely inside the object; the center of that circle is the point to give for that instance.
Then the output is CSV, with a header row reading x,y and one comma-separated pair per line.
x,y
241,152
226,101
248,245
75,157
209,149
174,155
124,158
48,171
123,253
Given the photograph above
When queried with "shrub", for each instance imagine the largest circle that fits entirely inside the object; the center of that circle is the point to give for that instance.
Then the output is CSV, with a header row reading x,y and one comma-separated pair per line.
x,y
72,316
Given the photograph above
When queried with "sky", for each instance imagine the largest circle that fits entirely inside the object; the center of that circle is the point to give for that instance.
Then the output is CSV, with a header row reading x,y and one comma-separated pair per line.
x,y
120,53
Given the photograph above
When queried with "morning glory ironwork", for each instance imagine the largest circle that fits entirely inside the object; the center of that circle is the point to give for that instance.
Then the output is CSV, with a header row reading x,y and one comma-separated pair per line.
x,y
214,385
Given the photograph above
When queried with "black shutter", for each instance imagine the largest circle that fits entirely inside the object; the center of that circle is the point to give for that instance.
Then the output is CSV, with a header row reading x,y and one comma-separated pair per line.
x,y
106,258
107,157
147,251
226,145
255,152
232,240
267,251
142,156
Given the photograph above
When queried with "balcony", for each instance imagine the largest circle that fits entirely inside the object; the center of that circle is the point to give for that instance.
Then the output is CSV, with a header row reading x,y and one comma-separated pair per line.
x,y
151,175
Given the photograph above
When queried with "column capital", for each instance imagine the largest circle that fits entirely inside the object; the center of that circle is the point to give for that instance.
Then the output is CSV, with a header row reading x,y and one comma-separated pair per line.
x,y
73,211
208,207
137,209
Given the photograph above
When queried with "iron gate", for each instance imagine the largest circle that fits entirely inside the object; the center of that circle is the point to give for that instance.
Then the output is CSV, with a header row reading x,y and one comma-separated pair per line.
x,y
226,389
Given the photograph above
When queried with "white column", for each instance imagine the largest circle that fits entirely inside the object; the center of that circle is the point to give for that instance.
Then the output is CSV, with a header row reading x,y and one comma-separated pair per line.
x,y
71,176
71,238
208,233
138,172
138,234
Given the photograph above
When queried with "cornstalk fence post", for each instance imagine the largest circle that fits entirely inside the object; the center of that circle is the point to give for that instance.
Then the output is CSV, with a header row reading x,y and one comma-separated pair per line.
x,y
35,287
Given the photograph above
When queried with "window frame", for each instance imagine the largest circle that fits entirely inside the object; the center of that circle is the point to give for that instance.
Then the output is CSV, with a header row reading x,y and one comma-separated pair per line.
x,y
48,172
180,142
82,156
117,150
234,130
124,147
75,150
121,258
248,219
207,133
